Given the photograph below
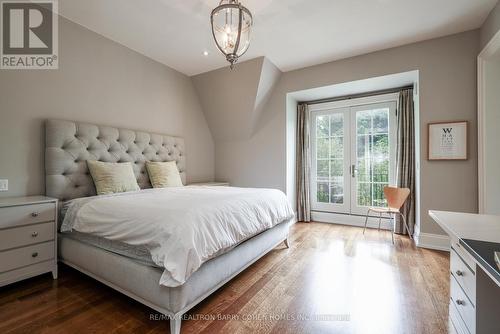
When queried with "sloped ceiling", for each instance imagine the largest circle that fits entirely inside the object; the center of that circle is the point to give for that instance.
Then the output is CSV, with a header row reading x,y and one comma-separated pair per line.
x,y
233,100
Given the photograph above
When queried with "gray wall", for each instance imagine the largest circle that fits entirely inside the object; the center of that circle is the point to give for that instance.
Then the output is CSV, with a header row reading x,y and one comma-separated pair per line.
x,y
244,90
98,81
447,92
228,94
490,26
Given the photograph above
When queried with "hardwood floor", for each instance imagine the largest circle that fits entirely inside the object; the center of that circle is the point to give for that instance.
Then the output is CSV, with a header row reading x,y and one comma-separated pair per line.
x,y
332,280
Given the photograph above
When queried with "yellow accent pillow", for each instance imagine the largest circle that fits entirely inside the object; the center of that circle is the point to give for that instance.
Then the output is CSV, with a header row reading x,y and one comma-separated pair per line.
x,y
164,174
111,177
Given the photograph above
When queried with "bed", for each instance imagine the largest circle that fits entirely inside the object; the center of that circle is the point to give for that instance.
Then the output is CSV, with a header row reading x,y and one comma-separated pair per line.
x,y
130,269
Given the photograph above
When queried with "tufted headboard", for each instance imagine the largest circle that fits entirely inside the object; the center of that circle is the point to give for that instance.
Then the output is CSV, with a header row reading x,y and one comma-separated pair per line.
x,y
68,145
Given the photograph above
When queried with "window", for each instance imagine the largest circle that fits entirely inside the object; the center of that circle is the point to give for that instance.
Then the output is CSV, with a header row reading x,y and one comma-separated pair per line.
x,y
353,152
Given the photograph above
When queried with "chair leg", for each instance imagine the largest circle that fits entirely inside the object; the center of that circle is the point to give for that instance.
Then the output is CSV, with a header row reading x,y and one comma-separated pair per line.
x,y
366,220
393,226
287,242
407,228
379,220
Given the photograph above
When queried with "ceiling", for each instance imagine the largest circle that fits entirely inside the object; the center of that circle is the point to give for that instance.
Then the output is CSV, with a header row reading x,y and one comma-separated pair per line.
x,y
291,33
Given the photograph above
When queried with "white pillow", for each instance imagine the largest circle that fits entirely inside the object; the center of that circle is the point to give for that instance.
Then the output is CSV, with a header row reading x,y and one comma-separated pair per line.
x,y
111,177
164,174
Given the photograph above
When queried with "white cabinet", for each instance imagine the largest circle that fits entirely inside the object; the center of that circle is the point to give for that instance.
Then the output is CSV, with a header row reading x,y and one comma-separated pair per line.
x,y
28,232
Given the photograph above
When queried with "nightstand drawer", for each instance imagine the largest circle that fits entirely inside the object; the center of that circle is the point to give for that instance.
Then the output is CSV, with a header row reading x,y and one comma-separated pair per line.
x,y
26,235
25,256
27,214
464,276
463,305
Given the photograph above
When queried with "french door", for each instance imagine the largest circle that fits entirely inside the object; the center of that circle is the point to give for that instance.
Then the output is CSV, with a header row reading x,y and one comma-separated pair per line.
x,y
353,155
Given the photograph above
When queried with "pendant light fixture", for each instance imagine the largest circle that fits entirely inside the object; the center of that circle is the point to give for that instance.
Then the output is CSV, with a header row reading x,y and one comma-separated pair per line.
x,y
231,26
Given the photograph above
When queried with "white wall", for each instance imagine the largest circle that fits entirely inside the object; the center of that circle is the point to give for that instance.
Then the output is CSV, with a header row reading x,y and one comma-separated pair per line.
x,y
490,26
98,81
492,137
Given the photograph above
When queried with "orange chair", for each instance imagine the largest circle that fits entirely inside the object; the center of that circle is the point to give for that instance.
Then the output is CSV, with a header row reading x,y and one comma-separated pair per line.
x,y
396,197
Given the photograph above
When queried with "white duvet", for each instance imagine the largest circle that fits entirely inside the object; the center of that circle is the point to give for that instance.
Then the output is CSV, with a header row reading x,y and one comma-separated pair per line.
x,y
182,227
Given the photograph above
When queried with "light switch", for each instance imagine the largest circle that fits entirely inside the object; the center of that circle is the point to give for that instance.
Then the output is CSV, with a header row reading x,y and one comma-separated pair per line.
x,y
4,184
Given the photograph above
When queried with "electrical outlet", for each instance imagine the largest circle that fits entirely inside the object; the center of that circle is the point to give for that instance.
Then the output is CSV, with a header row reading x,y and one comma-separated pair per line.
x,y
4,184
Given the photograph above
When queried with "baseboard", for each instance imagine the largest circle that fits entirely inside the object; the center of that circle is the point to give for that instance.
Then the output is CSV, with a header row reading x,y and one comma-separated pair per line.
x,y
352,220
433,241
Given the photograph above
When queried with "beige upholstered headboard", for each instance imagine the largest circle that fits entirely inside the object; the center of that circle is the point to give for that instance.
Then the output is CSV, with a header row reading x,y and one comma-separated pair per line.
x,y
68,145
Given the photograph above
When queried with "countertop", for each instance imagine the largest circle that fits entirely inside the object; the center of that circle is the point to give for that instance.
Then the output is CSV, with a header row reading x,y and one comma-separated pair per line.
x,y
484,253
468,225
478,234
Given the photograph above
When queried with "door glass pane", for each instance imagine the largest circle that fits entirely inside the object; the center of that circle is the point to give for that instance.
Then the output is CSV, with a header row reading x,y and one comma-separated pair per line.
x,y
372,152
380,121
337,148
363,146
323,194
364,194
363,122
330,158
336,168
323,172
337,124
322,148
322,126
380,147
337,181
364,170
378,195
337,192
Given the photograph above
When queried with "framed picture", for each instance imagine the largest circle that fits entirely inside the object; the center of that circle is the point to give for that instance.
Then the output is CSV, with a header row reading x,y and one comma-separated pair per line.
x,y
448,141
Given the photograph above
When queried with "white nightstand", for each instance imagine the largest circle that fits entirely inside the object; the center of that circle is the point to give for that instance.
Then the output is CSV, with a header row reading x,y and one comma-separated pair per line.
x,y
213,184
28,232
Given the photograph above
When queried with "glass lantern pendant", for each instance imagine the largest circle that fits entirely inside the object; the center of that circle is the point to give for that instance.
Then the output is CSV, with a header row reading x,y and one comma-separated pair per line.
x,y
231,25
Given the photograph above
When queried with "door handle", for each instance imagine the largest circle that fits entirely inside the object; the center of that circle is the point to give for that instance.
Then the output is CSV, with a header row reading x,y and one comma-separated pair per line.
x,y
353,171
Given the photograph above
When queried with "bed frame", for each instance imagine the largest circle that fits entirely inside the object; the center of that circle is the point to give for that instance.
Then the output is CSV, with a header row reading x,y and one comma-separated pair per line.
x,y
68,146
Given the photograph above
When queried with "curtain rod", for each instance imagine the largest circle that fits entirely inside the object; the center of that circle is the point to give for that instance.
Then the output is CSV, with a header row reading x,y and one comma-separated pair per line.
x,y
355,96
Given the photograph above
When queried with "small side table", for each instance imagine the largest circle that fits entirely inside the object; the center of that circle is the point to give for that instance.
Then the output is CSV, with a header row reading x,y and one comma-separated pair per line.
x,y
28,237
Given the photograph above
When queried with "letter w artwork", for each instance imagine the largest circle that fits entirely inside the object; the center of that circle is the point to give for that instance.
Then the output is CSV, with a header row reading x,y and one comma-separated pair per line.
x,y
447,140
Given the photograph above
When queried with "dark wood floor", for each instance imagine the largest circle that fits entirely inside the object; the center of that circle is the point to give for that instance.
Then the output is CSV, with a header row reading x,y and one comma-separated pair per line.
x,y
332,280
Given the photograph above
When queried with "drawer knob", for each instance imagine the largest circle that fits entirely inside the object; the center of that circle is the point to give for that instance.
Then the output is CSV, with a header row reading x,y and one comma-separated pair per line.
x,y
34,234
35,214
35,254
459,273
460,302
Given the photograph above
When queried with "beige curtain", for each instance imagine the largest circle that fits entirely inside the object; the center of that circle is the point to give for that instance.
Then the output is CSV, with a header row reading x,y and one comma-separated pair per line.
x,y
303,164
405,157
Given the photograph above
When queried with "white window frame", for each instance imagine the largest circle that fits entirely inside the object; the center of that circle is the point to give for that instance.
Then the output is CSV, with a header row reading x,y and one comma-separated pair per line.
x,y
348,108
330,207
392,129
